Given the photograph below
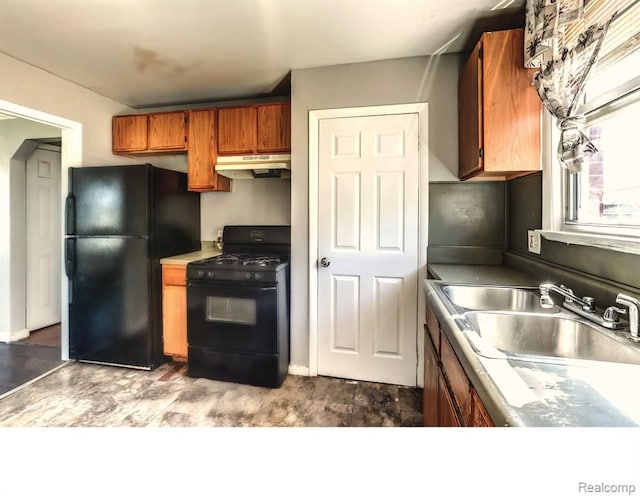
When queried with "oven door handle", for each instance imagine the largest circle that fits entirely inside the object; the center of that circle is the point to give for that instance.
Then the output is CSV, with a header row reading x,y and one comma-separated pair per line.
x,y
230,284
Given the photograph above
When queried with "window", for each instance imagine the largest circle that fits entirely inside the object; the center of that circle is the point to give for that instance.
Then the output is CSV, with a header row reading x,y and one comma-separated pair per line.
x,y
605,197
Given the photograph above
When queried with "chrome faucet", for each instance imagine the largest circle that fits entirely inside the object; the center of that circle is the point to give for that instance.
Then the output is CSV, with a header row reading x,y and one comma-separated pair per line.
x,y
587,303
585,306
634,307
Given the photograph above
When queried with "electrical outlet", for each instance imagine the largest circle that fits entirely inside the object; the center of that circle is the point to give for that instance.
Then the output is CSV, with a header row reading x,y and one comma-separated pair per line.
x,y
533,241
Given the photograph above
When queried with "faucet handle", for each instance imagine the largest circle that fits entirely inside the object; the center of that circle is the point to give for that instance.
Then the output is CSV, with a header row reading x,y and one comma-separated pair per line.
x,y
589,303
611,314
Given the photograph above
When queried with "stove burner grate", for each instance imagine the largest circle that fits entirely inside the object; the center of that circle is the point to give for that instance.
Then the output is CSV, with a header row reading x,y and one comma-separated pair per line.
x,y
261,261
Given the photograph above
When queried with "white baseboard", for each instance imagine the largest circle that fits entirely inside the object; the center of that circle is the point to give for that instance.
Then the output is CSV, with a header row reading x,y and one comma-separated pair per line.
x,y
10,336
299,370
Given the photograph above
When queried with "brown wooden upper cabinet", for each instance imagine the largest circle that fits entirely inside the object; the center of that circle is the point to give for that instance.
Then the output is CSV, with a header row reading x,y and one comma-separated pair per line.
x,y
499,110
254,129
150,133
237,130
202,155
274,127
129,133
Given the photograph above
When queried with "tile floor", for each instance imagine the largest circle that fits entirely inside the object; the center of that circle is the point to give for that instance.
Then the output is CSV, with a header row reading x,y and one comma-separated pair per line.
x,y
81,394
23,361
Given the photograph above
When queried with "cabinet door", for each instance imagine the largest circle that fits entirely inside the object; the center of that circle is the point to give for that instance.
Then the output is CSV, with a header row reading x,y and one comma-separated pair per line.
x,y
470,142
430,391
174,311
274,127
457,378
168,131
448,417
433,326
481,417
237,130
129,133
202,153
511,105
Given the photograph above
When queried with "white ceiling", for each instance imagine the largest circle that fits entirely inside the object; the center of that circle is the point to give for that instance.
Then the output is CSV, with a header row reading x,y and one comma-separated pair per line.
x,y
160,52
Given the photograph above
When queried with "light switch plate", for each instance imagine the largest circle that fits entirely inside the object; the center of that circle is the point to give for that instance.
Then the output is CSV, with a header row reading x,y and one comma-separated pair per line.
x,y
533,242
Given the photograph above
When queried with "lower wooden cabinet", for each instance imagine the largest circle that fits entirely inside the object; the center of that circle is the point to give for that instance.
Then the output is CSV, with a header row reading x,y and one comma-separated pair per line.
x,y
430,391
174,311
447,411
449,399
481,417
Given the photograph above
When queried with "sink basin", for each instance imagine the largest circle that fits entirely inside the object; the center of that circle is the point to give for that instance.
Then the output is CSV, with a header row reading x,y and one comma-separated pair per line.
x,y
538,337
495,298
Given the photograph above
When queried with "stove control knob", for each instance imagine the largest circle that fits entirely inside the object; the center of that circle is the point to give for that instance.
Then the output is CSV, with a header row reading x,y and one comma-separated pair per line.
x,y
247,275
258,276
201,274
211,274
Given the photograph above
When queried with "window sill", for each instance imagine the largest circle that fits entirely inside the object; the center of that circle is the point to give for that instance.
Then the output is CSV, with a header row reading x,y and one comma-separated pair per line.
x,y
614,243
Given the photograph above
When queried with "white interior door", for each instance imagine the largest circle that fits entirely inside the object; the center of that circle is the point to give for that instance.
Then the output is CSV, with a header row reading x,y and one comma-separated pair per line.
x,y
368,232
43,239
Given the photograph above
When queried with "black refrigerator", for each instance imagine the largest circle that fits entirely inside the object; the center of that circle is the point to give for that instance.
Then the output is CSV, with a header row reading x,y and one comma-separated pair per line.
x,y
120,221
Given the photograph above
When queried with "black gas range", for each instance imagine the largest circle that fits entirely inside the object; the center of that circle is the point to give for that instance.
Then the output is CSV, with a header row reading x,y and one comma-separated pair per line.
x,y
238,267
238,308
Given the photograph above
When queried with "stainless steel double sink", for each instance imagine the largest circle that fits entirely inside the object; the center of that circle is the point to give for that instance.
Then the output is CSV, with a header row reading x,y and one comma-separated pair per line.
x,y
509,323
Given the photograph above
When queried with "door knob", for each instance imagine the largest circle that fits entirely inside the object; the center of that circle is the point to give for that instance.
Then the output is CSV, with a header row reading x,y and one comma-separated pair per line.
x,y
325,262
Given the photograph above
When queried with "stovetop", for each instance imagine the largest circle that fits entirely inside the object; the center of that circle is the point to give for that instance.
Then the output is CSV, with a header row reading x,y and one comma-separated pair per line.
x,y
238,267
251,253
244,261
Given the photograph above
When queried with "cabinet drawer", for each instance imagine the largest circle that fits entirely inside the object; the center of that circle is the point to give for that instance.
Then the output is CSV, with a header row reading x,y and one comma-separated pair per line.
x,y
174,275
457,380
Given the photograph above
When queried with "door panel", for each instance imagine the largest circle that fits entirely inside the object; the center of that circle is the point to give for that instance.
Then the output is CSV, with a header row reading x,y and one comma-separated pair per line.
x,y
231,316
109,201
346,211
368,229
43,239
388,323
345,326
390,212
109,305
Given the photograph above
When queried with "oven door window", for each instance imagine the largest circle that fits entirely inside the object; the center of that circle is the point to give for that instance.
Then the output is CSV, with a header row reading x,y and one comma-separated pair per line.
x,y
229,310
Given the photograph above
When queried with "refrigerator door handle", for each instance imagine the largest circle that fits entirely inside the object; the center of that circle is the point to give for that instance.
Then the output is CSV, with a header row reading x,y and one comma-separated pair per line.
x,y
70,214
70,257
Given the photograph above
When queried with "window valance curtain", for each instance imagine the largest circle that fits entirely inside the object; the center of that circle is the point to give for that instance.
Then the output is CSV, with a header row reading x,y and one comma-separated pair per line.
x,y
565,63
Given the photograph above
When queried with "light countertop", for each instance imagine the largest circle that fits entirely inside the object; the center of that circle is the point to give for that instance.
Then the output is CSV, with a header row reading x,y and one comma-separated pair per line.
x,y
185,258
481,274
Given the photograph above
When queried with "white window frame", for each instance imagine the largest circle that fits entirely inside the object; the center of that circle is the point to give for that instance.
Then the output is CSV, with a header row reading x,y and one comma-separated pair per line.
x,y
554,204
554,227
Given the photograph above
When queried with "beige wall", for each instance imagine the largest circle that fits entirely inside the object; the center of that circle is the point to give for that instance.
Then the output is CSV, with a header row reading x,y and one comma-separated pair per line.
x,y
251,201
417,79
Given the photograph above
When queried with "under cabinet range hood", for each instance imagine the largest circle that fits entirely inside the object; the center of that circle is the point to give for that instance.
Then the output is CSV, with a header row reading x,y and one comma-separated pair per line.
x,y
254,166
